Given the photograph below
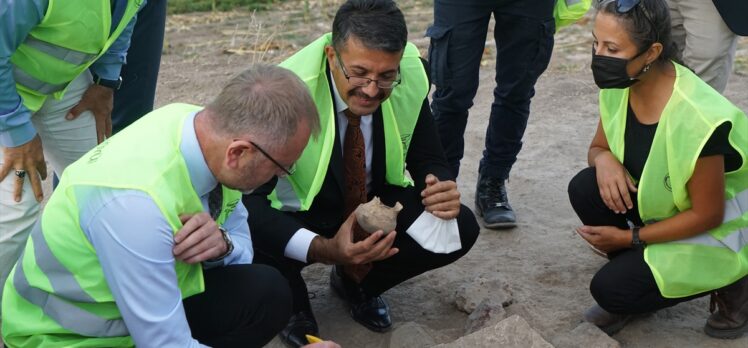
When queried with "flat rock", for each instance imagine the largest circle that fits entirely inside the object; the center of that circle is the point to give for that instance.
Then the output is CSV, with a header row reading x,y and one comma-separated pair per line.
x,y
468,296
411,335
512,332
488,313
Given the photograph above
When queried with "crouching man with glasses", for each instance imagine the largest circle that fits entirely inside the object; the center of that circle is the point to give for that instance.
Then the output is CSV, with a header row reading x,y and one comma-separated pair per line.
x,y
145,241
377,138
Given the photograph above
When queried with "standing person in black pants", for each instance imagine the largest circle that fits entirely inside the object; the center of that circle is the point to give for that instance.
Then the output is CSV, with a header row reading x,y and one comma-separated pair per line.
x,y
524,41
139,76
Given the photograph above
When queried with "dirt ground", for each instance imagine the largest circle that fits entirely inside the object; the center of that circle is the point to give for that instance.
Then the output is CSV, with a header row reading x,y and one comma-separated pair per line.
x,y
544,264
546,267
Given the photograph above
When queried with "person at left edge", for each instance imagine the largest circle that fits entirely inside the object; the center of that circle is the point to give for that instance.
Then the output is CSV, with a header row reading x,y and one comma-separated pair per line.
x,y
129,252
59,64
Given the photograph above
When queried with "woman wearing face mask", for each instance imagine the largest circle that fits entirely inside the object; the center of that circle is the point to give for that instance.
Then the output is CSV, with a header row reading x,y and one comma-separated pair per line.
x,y
666,193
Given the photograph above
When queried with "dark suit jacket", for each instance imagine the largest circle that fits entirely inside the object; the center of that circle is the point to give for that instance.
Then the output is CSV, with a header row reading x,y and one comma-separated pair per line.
x,y
271,229
735,15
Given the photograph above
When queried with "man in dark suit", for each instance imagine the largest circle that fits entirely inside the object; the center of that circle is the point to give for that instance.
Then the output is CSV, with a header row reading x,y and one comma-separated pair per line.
x,y
364,73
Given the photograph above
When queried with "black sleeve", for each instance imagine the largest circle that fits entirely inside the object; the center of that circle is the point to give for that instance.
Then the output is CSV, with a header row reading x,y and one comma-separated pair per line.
x,y
718,144
427,68
425,154
271,229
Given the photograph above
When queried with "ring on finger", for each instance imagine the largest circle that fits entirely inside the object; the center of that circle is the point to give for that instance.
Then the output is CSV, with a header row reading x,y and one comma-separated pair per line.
x,y
20,173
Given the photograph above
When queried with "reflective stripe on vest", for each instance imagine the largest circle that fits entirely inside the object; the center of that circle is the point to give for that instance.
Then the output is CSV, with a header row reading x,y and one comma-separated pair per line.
x,y
59,52
69,38
63,282
714,258
28,81
59,295
735,240
65,313
58,306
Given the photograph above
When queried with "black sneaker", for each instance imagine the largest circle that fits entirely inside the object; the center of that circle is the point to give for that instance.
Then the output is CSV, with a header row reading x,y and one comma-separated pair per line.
x,y
492,203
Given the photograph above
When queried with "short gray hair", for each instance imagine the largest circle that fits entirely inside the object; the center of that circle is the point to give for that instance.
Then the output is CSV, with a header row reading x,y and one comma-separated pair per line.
x,y
266,101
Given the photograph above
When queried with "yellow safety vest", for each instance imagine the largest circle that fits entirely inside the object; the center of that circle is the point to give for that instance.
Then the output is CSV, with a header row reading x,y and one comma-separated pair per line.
x,y
399,113
567,12
70,37
57,296
717,257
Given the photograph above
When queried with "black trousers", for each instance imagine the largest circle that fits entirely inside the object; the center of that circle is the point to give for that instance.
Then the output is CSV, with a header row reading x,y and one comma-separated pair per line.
x,y
625,285
140,74
409,262
524,42
242,306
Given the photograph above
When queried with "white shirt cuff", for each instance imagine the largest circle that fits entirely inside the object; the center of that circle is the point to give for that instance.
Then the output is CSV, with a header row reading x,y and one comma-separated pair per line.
x,y
298,246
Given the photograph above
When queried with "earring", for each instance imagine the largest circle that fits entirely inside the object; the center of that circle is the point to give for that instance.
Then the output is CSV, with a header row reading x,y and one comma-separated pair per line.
x,y
646,68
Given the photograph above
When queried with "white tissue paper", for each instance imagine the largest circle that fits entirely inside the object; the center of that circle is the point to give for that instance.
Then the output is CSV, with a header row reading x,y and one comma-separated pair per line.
x,y
435,234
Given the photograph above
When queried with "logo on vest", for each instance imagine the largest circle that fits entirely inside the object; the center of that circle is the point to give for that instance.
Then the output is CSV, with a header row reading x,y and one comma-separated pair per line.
x,y
96,153
405,140
666,182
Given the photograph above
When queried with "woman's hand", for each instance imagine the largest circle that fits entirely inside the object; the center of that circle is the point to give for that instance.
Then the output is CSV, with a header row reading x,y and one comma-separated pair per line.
x,y
614,183
606,238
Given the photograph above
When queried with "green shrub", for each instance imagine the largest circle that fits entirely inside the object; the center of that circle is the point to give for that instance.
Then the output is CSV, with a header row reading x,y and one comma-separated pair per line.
x,y
182,6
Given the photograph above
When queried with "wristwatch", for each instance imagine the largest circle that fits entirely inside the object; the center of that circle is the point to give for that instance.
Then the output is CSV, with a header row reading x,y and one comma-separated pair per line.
x,y
637,243
113,84
229,245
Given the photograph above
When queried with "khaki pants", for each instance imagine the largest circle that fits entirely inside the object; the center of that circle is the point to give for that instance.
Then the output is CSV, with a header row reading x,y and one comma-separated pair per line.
x,y
706,43
63,142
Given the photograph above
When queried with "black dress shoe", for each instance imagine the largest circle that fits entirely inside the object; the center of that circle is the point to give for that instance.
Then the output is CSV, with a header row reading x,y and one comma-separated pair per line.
x,y
300,325
369,311
492,204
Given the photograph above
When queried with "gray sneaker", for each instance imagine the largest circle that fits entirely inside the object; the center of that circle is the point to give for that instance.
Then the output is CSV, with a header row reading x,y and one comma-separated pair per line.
x,y
609,323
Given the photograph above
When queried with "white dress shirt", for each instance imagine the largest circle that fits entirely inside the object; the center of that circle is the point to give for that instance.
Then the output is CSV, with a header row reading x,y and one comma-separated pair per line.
x,y
298,246
134,243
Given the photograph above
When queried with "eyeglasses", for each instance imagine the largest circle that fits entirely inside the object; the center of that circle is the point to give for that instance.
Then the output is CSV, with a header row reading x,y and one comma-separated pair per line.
x,y
360,81
289,171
